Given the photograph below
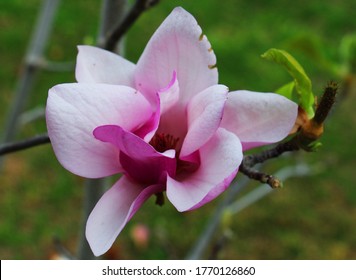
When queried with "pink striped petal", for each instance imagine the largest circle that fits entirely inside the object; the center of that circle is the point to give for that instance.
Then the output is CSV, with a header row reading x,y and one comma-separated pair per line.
x,y
259,118
177,45
165,99
220,159
96,65
75,110
170,95
204,116
138,158
112,212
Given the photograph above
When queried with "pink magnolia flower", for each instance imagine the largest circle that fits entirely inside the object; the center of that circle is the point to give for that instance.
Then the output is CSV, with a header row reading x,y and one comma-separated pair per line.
x,y
164,123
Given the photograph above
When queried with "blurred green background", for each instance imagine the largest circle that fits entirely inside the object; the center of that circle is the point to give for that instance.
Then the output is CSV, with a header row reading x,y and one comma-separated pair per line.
x,y
311,218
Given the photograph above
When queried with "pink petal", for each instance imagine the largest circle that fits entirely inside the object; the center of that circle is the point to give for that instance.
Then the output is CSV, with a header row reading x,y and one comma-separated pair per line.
x,y
220,159
165,99
177,45
147,131
112,212
95,65
170,95
72,113
173,118
204,116
259,118
138,158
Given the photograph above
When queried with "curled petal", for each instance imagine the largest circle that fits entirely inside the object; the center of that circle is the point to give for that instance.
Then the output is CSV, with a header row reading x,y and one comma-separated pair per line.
x,y
165,99
74,110
258,118
204,116
115,208
138,158
219,162
169,95
177,45
95,65
150,127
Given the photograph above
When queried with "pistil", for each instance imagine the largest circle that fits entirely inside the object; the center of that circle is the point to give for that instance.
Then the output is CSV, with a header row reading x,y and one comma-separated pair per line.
x,y
163,142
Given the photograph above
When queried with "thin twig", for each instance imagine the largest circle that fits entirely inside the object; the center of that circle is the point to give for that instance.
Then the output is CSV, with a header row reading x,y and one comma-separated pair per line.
x,y
264,178
289,146
24,144
112,14
122,27
256,194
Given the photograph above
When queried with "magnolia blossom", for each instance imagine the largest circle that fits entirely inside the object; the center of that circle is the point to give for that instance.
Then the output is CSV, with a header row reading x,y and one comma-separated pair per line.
x,y
165,124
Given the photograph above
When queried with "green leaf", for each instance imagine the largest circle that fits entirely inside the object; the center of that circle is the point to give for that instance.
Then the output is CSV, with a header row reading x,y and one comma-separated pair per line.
x,y
301,80
286,90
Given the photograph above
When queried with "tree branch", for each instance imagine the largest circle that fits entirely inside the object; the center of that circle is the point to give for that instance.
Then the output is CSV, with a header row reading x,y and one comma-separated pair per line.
x,y
123,26
24,144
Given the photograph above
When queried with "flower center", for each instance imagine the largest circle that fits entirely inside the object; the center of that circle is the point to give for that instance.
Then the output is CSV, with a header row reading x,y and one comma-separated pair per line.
x,y
163,142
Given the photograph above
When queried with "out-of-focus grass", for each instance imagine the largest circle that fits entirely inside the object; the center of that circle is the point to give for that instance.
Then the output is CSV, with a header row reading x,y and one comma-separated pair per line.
x,y
312,218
